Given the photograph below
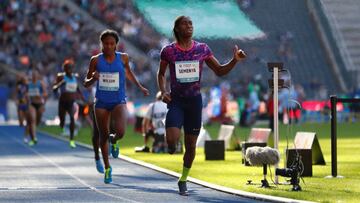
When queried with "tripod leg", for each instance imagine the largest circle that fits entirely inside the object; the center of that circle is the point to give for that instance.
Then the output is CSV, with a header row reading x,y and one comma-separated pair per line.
x,y
264,183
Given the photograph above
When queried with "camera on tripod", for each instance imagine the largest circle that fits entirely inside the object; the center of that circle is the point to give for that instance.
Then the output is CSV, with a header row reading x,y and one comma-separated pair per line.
x,y
293,172
286,172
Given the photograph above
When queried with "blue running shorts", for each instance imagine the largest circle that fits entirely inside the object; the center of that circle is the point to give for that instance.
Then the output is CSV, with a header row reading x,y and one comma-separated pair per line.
x,y
185,111
107,106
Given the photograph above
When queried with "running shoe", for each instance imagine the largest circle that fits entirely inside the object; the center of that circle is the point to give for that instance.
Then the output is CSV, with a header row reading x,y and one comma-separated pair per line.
x,y
99,166
142,149
115,148
32,143
182,188
72,144
107,177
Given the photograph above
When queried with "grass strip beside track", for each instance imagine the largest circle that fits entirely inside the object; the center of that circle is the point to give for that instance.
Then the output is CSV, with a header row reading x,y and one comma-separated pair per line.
x,y
231,173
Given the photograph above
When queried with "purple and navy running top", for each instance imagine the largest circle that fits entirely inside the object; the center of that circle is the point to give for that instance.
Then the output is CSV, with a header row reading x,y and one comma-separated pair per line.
x,y
185,67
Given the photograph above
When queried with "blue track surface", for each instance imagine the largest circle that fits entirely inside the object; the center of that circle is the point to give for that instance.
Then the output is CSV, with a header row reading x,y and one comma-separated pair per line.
x,y
52,172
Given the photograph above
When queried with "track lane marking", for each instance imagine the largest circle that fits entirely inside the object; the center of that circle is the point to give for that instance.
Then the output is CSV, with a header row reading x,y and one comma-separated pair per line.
x,y
66,171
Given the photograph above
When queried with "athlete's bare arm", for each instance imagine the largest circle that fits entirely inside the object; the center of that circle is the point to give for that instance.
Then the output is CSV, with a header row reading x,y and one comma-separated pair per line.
x,y
130,75
161,80
59,81
221,70
43,86
92,75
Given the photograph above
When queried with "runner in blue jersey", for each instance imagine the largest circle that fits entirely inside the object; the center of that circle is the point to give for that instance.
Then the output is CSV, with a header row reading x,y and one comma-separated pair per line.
x,y
185,58
37,95
67,82
110,69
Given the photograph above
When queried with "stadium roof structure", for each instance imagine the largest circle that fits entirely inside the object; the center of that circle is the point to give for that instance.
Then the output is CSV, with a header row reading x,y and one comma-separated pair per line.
x,y
212,19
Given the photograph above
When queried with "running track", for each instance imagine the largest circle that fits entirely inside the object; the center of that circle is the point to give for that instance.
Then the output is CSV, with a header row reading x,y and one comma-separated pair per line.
x,y
52,172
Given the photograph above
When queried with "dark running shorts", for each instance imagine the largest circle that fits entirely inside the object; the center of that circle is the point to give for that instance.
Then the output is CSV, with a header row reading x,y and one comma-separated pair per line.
x,y
37,106
23,107
67,105
185,112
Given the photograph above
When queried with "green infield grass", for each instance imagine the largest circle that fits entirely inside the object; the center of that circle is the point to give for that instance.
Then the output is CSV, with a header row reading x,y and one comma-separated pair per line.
x,y
232,173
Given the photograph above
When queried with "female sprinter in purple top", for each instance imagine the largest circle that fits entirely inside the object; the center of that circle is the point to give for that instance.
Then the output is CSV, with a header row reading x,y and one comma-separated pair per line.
x,y
185,58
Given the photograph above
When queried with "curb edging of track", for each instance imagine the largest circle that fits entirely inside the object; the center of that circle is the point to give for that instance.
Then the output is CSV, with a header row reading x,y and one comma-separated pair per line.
x,y
251,195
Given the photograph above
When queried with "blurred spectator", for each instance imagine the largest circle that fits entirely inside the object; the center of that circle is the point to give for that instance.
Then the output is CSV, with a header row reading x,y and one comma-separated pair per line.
x,y
153,125
246,4
323,93
285,49
270,111
42,34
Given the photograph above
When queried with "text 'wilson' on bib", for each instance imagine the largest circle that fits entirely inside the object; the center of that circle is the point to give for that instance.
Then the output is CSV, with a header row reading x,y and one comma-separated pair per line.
x,y
109,81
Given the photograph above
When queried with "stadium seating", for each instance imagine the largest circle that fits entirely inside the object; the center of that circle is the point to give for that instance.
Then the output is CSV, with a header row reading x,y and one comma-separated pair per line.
x,y
53,31
344,18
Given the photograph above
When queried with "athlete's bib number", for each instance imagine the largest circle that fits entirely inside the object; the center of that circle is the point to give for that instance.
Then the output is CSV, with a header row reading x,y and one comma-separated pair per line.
x,y
34,91
71,87
109,81
187,71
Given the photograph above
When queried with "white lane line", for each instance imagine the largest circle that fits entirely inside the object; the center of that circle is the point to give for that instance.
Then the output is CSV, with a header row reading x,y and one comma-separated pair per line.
x,y
52,188
69,173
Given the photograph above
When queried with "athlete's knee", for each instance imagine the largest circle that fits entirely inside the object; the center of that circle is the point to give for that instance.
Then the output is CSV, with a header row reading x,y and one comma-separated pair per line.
x,y
120,133
171,149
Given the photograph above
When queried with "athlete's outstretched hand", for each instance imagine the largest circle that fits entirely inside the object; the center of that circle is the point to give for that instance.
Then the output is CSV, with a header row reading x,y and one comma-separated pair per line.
x,y
238,53
166,98
145,91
